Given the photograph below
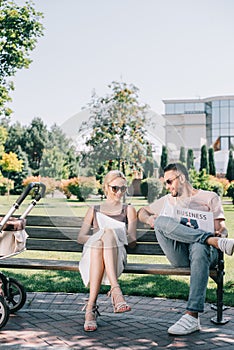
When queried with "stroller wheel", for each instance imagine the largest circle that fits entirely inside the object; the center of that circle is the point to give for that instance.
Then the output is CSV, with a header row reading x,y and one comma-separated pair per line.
x,y
16,295
4,312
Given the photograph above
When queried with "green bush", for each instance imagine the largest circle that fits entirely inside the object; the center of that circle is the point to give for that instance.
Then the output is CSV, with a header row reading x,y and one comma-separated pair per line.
x,y
151,188
50,183
230,191
144,188
5,185
81,187
217,188
201,180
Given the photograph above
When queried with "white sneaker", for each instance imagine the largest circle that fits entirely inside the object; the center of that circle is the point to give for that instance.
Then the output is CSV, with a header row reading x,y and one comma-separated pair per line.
x,y
226,245
187,324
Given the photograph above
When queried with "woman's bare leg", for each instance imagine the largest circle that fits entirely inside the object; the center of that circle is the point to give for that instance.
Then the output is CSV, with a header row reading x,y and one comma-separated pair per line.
x,y
95,274
110,256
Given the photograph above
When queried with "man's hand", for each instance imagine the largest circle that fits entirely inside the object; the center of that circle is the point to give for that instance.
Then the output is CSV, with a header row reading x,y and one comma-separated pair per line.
x,y
151,220
222,232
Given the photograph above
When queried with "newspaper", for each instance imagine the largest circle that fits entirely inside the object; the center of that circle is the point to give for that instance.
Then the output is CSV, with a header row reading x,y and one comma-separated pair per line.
x,y
195,218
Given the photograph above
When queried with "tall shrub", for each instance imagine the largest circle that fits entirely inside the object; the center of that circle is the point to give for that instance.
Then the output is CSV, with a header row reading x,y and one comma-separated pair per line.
x,y
190,159
182,155
163,161
230,191
212,169
230,167
204,161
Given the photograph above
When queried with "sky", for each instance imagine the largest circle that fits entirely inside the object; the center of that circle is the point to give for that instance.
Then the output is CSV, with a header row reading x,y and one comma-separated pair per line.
x,y
169,49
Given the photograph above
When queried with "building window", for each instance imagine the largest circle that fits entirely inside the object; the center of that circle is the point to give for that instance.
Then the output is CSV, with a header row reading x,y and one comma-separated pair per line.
x,y
170,108
224,103
215,104
179,108
215,116
224,115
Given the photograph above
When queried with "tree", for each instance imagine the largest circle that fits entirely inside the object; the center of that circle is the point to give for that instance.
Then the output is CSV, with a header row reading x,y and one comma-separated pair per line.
x,y
148,166
230,167
117,128
182,155
52,163
18,176
70,160
10,163
34,141
14,137
212,169
19,29
190,159
204,160
163,161
3,138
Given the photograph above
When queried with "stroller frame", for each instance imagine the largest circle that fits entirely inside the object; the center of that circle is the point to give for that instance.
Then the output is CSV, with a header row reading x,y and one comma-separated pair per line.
x,y
12,293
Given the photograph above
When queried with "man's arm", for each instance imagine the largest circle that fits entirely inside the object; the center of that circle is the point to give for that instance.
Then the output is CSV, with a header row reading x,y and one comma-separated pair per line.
x,y
220,228
147,216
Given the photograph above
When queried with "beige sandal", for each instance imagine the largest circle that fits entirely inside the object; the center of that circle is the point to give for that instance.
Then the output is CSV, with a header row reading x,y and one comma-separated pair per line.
x,y
91,325
121,306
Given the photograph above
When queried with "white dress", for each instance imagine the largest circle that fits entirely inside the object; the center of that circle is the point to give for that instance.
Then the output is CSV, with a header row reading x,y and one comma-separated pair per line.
x,y
119,228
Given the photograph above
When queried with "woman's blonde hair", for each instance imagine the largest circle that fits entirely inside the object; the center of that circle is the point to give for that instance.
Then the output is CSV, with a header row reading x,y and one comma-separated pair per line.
x,y
111,176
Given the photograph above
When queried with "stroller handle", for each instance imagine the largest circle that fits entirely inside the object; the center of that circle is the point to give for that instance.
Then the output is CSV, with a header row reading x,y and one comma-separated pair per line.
x,y
39,194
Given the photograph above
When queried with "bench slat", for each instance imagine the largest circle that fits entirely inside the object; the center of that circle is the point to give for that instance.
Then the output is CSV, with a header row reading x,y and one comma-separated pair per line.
x,y
63,221
72,233
52,233
54,245
67,265
73,246
54,221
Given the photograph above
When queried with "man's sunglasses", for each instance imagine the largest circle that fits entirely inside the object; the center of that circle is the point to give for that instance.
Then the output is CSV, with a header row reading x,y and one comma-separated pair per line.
x,y
170,181
116,189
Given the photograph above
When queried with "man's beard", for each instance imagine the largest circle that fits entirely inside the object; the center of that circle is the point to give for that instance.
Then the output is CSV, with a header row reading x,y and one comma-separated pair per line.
x,y
176,194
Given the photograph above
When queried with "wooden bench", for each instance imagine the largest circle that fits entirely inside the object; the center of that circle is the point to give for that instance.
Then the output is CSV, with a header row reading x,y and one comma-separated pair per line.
x,y
57,233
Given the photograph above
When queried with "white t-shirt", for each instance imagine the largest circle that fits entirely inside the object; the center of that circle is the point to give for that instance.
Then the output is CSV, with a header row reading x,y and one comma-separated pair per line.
x,y
205,201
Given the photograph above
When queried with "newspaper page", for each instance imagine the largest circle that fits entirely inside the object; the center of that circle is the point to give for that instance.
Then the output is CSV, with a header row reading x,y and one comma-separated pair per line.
x,y
195,218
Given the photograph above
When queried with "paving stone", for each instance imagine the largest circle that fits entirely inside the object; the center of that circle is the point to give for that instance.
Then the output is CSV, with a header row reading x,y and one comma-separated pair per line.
x,y
54,321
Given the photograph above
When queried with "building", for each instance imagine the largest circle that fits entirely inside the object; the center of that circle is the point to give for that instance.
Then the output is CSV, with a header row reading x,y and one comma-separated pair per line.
x,y
194,122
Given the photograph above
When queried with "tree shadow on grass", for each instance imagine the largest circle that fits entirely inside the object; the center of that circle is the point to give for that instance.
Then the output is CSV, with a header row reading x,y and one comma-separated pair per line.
x,y
140,285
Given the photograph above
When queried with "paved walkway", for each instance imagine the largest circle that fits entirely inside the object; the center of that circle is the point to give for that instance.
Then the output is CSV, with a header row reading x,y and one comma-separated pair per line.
x,y
55,321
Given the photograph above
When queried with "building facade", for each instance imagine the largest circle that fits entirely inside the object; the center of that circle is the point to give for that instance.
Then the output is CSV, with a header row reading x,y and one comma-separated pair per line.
x,y
194,122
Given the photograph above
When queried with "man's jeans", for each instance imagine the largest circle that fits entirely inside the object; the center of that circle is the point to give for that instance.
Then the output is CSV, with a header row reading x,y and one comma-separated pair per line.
x,y
186,247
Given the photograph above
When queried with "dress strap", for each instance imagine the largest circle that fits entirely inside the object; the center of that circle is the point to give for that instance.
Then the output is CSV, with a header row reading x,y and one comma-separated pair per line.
x,y
124,212
96,207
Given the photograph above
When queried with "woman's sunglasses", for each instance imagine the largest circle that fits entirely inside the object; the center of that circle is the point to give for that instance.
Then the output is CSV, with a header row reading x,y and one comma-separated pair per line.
x,y
116,189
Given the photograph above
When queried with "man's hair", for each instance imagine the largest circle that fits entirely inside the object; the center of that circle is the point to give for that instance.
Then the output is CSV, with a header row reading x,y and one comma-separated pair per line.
x,y
177,167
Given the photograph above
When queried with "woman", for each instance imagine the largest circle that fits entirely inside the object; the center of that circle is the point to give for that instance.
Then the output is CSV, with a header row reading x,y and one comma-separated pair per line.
x,y
104,255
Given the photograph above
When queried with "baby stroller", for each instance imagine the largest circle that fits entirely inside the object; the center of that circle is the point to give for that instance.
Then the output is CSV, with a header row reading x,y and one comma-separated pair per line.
x,y
12,241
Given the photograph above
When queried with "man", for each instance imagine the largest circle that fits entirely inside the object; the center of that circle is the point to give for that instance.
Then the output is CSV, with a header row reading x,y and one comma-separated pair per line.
x,y
182,242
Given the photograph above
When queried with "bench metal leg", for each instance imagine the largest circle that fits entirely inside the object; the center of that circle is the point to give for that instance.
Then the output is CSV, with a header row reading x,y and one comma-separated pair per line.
x,y
219,319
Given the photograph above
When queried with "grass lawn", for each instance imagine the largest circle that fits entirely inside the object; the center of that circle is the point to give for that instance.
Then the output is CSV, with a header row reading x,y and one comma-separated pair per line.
x,y
145,285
